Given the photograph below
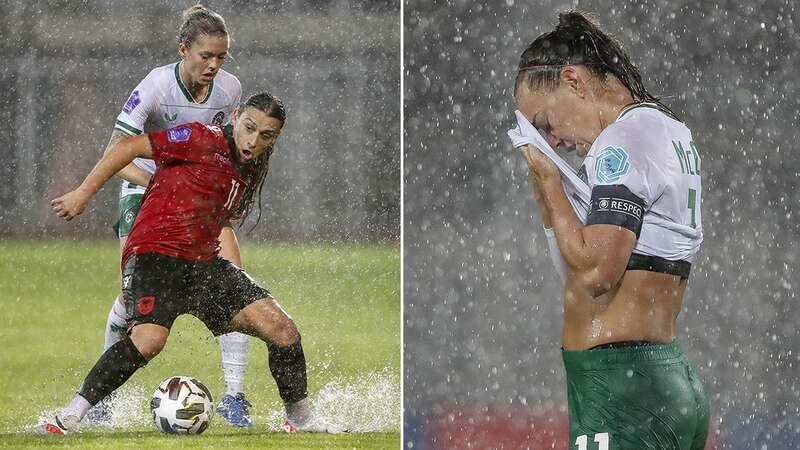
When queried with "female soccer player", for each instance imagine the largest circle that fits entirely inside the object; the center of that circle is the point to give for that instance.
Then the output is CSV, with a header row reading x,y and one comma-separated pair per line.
x,y
205,175
195,89
627,265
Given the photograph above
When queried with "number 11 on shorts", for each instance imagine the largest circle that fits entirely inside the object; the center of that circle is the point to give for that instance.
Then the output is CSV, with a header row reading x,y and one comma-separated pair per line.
x,y
601,438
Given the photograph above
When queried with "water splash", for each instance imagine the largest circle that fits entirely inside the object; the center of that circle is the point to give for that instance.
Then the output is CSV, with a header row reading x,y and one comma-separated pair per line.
x,y
369,403
366,403
128,407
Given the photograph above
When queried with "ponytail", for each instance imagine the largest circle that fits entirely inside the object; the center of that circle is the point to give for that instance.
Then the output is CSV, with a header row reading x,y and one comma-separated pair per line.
x,y
579,41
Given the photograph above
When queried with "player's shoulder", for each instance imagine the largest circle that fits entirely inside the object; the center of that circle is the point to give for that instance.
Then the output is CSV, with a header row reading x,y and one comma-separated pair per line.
x,y
160,76
640,134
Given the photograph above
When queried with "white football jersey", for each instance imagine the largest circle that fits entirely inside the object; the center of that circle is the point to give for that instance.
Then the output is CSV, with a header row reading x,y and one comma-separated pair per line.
x,y
161,101
654,157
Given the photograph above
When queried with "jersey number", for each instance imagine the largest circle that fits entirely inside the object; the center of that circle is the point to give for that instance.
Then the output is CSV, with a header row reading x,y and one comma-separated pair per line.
x,y
693,206
601,438
232,194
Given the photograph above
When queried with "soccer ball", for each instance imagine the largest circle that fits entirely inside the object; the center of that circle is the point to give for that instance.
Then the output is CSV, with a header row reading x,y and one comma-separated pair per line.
x,y
182,405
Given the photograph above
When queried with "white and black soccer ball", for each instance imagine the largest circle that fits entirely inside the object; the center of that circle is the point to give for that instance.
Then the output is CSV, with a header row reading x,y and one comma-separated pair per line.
x,y
182,405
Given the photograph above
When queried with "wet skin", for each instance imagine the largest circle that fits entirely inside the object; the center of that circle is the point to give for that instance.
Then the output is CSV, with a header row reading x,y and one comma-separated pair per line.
x,y
618,305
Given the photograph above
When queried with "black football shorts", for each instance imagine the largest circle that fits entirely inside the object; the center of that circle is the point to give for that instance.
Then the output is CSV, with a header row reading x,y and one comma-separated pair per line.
x,y
158,288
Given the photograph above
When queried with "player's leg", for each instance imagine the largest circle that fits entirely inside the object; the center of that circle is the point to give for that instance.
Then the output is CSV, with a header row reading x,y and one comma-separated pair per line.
x,y
235,301
117,321
234,348
112,370
153,294
266,320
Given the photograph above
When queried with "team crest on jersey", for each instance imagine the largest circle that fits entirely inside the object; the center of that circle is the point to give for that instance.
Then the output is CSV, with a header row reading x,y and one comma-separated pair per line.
x,y
219,118
146,305
611,164
179,134
132,103
171,118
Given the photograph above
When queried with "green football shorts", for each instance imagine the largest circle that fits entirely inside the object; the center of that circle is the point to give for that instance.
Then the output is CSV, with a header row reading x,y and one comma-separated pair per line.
x,y
639,397
129,206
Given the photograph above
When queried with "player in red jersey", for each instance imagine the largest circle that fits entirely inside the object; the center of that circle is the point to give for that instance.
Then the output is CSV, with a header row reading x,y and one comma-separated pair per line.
x,y
170,266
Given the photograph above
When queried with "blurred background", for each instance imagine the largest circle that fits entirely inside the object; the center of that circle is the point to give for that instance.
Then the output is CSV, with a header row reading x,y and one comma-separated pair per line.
x,y
483,306
68,68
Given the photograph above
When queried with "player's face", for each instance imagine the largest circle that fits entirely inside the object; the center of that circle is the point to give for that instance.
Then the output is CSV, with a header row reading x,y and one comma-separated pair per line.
x,y
204,57
254,132
567,120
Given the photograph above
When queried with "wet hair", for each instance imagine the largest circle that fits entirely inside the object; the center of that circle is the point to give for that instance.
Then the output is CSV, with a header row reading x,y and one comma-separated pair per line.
x,y
578,40
273,107
198,21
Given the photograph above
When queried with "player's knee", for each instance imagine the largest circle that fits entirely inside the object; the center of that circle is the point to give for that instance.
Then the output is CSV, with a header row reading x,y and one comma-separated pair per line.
x,y
281,331
149,341
286,332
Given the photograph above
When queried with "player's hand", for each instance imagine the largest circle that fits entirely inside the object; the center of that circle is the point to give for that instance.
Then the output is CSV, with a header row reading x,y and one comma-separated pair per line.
x,y
71,204
541,167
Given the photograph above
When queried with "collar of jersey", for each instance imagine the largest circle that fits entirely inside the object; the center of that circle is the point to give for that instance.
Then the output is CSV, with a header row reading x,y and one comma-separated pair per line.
x,y
186,91
650,105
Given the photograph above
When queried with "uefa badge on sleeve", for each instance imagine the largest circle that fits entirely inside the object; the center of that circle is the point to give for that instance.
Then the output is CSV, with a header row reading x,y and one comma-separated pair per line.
x,y
612,164
132,103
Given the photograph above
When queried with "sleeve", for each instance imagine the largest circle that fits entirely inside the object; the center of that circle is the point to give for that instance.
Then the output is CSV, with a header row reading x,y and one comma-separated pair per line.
x,y
626,180
139,106
555,254
188,142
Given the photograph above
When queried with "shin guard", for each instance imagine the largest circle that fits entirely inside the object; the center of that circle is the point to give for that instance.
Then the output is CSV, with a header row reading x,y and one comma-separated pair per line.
x,y
288,367
112,370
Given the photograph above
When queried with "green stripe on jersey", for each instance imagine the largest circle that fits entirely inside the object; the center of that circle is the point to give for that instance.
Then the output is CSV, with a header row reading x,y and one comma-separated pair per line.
x,y
122,126
186,91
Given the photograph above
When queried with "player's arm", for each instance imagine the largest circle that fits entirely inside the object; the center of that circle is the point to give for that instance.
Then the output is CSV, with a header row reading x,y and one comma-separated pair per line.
x,y
596,255
131,172
121,153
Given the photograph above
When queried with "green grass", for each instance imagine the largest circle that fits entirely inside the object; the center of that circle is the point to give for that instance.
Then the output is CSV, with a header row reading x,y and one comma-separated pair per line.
x,y
345,299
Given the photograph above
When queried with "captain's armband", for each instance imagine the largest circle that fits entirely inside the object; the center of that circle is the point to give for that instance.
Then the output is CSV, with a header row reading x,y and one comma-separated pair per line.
x,y
616,205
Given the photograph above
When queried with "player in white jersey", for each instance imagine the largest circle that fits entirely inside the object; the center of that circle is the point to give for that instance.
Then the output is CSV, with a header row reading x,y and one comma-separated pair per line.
x,y
195,89
627,256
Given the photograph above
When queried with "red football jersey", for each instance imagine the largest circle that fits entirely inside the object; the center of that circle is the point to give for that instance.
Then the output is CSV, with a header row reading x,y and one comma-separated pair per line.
x,y
194,191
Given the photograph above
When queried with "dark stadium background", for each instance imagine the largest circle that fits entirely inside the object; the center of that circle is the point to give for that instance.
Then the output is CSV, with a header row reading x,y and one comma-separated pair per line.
x,y
68,68
482,302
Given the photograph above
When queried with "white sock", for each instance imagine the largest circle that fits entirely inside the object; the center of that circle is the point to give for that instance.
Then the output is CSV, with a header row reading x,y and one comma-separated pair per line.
x,y
234,361
77,407
116,324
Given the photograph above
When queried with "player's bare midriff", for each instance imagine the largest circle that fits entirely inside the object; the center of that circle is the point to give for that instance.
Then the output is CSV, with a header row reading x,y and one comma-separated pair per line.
x,y
642,307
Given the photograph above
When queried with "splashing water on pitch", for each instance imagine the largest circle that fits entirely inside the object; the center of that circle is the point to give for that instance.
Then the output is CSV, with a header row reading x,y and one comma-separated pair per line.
x,y
128,409
369,403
